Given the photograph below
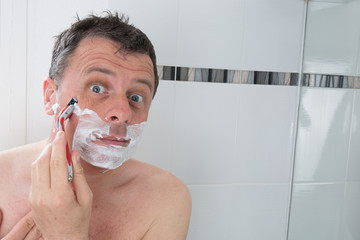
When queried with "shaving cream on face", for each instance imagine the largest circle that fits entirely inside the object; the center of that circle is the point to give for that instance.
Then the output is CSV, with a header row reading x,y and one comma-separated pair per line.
x,y
90,128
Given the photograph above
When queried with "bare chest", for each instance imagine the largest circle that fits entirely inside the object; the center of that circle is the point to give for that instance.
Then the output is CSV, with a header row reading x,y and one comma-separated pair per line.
x,y
123,216
119,222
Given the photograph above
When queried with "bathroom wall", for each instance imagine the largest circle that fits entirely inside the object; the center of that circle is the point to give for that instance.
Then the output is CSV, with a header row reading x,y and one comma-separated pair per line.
x,y
326,190
231,143
13,73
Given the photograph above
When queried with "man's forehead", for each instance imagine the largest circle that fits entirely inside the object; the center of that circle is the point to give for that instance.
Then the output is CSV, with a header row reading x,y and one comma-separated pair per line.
x,y
97,47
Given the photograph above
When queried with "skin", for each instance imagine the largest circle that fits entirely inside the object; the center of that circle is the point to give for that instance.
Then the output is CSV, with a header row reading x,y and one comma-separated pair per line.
x,y
134,201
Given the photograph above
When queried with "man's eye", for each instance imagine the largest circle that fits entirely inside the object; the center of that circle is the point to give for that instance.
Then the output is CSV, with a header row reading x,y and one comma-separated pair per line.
x,y
136,98
97,88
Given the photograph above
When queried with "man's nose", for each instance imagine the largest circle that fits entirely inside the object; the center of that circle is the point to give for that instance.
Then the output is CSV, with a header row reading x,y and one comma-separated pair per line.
x,y
118,110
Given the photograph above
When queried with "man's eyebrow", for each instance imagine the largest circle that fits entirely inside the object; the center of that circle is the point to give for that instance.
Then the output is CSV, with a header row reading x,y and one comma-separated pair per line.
x,y
147,83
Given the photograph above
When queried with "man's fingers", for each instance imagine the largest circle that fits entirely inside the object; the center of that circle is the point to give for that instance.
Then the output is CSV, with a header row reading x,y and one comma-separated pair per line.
x,y
40,173
21,229
58,167
34,234
40,177
82,189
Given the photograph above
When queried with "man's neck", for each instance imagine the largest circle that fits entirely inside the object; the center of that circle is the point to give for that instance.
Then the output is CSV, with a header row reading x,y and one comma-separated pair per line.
x,y
105,178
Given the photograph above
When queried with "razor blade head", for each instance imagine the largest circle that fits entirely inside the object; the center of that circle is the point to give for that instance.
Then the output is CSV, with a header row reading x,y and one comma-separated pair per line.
x,y
66,113
73,101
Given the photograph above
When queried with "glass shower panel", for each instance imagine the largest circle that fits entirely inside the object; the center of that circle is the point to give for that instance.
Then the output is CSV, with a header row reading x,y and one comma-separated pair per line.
x,y
325,201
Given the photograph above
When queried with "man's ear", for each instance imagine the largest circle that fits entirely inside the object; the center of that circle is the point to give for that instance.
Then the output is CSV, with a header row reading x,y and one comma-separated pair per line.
x,y
49,91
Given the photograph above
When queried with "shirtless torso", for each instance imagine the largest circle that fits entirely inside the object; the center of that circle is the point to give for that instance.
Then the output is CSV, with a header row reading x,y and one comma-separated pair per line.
x,y
109,66
127,201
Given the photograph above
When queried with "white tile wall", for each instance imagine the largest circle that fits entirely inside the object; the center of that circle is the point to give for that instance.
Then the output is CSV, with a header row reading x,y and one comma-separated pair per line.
x,y
327,151
351,217
323,134
158,19
259,211
265,133
316,211
210,33
234,212
13,73
211,212
332,40
259,150
204,139
228,34
272,35
353,170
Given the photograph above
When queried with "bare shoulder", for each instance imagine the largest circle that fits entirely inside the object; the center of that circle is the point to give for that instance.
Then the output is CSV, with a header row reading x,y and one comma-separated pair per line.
x,y
8,159
17,152
19,158
171,200
15,178
161,182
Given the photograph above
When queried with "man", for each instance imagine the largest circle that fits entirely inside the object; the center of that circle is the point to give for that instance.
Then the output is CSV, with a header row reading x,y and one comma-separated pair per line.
x,y
109,66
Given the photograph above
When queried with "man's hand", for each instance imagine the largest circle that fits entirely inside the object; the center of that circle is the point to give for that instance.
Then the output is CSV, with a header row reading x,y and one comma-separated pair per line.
x,y
61,210
24,229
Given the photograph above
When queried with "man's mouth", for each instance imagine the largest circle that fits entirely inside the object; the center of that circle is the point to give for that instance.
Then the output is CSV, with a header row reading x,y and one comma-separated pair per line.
x,y
112,141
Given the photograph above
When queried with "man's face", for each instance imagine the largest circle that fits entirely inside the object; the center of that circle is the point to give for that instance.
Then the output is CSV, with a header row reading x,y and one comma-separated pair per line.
x,y
117,86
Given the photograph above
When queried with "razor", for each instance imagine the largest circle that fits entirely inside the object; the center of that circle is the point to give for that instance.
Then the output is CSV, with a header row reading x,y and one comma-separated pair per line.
x,y
66,113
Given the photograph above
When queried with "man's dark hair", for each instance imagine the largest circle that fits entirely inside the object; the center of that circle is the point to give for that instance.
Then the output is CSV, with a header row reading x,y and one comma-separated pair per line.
x,y
114,27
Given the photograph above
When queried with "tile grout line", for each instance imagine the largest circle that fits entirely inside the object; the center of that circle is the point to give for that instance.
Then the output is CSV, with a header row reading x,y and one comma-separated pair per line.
x,y
267,183
347,165
292,169
236,184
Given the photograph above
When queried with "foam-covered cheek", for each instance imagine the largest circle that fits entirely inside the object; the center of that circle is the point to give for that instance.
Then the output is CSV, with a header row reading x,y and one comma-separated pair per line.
x,y
90,128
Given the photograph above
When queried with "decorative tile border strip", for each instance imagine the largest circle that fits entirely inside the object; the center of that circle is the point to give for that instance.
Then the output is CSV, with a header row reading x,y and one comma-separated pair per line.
x,y
330,81
256,77
226,76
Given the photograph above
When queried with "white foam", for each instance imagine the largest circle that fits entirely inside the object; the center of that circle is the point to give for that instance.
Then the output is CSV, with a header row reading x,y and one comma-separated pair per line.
x,y
90,127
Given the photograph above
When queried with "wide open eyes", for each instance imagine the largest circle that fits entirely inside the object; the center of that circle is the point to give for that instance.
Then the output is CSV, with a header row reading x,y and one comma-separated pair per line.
x,y
136,98
97,88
